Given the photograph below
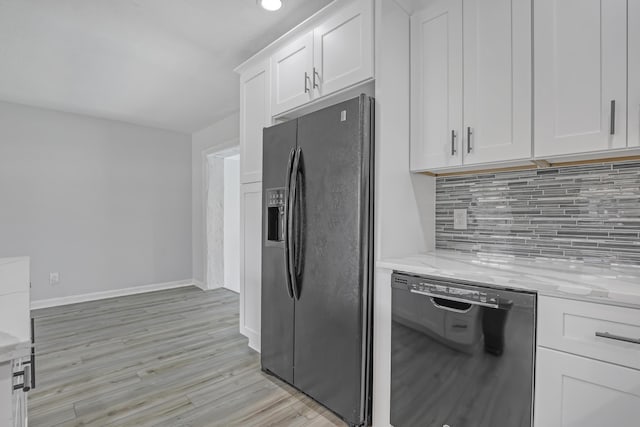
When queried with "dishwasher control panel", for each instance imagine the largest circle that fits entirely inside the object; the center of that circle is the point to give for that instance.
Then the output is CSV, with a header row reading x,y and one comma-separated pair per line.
x,y
443,289
458,293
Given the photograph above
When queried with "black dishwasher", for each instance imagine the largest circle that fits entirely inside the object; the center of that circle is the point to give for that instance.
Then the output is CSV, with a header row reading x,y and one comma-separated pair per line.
x,y
462,355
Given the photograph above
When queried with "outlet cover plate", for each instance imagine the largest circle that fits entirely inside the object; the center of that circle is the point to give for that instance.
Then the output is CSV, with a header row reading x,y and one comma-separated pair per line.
x,y
54,278
459,219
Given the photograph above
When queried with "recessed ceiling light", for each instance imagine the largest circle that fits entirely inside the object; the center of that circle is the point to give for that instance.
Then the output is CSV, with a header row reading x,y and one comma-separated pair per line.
x,y
271,5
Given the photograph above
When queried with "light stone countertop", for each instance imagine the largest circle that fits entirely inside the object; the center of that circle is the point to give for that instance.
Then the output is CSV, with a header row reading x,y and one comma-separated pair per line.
x,y
12,348
617,285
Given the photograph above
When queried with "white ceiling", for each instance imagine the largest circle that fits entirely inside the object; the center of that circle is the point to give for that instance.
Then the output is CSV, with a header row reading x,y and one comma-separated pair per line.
x,y
162,63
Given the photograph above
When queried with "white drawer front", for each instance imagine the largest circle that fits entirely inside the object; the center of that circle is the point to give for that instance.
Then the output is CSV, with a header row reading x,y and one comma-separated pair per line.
x,y
574,326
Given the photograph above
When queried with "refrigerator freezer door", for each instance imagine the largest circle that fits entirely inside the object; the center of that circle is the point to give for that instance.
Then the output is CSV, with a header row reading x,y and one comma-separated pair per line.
x,y
331,333
277,306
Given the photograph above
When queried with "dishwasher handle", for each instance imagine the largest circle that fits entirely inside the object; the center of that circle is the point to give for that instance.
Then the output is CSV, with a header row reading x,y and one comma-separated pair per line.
x,y
452,298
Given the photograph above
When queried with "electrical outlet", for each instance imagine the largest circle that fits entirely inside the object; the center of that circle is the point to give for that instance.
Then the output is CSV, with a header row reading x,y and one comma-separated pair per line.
x,y
54,278
460,219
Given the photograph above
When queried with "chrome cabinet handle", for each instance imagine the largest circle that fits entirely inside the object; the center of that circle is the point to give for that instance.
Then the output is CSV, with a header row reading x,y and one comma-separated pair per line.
x,y
315,73
609,336
469,133
306,79
612,125
453,143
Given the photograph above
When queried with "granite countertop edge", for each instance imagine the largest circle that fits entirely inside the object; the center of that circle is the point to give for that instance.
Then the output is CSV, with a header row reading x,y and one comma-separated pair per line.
x,y
615,284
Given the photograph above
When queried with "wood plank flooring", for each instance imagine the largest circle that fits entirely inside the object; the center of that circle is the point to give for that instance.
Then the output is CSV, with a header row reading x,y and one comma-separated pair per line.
x,y
169,358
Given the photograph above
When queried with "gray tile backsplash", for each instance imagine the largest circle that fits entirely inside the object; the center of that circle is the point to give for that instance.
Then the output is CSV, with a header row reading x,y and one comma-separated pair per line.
x,y
589,213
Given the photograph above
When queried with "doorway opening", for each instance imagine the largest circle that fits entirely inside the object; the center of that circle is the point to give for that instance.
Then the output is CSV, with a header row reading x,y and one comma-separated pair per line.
x,y
223,220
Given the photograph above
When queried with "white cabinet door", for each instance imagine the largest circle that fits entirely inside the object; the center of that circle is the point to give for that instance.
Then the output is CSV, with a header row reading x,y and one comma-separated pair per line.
x,y
343,48
497,80
634,74
573,391
580,57
292,71
436,86
254,116
250,261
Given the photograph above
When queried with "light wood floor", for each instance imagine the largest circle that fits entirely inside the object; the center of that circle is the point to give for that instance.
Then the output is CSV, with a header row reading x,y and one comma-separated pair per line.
x,y
169,358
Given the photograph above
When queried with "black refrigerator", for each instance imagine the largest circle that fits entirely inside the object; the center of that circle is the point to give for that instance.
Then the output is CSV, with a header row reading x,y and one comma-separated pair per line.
x,y
317,256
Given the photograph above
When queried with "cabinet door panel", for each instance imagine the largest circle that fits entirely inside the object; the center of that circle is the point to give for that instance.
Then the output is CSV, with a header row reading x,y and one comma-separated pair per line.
x,y
343,48
436,80
255,115
573,391
580,67
250,262
289,66
497,80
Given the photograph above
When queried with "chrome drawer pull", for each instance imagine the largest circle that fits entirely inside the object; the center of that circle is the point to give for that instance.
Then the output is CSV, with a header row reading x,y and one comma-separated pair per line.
x,y
617,337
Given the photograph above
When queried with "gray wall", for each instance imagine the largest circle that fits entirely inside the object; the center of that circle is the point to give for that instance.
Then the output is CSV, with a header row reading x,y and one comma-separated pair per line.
x,y
104,203
589,213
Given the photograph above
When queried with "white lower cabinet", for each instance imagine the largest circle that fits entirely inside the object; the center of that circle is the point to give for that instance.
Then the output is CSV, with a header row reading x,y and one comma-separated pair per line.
x,y
574,391
587,365
250,261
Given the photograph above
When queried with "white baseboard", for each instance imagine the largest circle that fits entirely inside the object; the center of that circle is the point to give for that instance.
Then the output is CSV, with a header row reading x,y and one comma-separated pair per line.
x,y
199,284
254,338
73,299
255,346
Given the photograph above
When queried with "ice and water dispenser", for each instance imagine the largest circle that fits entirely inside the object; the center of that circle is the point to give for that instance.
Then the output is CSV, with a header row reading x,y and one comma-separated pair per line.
x,y
275,216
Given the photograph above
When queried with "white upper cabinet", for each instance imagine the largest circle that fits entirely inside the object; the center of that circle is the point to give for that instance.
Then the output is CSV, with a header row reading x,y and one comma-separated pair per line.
x,y
336,54
580,76
343,49
633,136
497,80
292,72
436,79
485,48
254,116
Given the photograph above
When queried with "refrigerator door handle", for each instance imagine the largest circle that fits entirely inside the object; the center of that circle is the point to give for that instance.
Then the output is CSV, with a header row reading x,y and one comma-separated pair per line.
x,y
287,249
293,195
